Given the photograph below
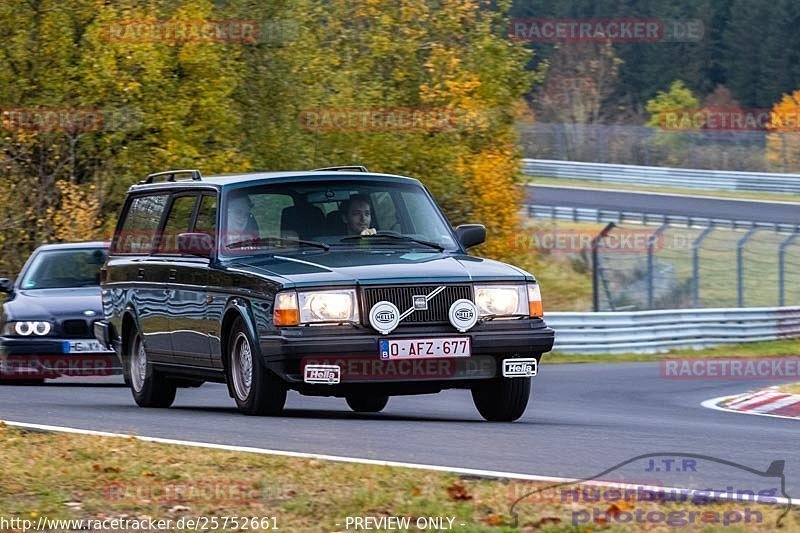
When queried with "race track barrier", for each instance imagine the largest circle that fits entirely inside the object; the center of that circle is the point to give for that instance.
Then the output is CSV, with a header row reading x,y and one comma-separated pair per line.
x,y
685,178
662,330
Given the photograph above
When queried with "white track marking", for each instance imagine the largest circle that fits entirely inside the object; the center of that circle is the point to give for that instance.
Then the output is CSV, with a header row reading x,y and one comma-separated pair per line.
x,y
357,460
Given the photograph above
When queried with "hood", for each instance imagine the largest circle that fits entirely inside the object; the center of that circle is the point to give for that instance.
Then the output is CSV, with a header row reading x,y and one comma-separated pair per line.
x,y
378,268
43,304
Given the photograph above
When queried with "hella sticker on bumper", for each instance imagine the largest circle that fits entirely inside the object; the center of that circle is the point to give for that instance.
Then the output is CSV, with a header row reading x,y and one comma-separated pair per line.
x,y
322,374
519,368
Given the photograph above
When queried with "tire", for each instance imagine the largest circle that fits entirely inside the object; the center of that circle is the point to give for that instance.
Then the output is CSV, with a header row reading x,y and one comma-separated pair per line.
x,y
256,389
502,399
364,403
148,388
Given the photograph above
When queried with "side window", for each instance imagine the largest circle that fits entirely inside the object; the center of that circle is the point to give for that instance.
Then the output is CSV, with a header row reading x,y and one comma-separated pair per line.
x,y
138,230
178,221
207,216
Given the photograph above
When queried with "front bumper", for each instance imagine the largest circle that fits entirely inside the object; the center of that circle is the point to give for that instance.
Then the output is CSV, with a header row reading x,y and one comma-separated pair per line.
x,y
356,351
26,358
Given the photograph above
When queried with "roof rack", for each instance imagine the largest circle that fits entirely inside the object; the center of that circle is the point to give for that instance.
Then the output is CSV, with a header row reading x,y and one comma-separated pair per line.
x,y
356,168
170,174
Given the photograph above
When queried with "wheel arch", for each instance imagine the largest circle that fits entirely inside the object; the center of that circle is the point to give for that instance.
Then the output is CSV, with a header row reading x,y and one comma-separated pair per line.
x,y
236,308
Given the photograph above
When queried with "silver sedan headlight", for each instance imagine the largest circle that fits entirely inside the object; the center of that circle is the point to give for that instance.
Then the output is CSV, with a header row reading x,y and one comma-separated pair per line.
x,y
327,306
501,300
27,328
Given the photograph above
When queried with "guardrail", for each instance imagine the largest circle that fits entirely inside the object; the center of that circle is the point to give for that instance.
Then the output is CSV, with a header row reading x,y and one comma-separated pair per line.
x,y
582,214
664,176
658,331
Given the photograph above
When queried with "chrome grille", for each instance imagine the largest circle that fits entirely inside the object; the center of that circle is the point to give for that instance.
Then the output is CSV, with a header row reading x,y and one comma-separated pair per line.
x,y
401,296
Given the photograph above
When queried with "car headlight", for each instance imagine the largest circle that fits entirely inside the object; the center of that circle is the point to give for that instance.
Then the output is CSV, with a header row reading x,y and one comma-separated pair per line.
x,y
493,300
315,307
27,328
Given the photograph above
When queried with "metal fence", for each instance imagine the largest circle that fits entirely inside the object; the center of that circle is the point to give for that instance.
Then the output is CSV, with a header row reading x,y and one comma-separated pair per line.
x,y
686,178
657,331
645,262
680,267
748,151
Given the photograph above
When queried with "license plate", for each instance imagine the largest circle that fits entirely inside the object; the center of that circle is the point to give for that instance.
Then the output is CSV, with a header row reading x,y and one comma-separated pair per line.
x,y
87,346
425,348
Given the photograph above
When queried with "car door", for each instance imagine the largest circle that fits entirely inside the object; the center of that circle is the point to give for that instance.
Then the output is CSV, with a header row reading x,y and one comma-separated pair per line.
x,y
198,327
186,298
144,278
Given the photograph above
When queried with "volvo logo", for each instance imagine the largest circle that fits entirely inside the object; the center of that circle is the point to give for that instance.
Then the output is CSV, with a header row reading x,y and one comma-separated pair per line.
x,y
384,317
420,302
463,315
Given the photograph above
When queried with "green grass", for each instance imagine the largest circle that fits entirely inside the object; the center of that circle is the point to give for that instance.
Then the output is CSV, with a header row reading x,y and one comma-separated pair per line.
x,y
64,476
781,348
790,388
745,195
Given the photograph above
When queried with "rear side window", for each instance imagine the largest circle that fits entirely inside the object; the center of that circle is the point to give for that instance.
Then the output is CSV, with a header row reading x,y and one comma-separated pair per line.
x,y
138,230
207,215
178,221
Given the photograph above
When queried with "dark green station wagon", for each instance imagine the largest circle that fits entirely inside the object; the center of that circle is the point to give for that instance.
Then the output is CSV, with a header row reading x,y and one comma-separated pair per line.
x,y
332,282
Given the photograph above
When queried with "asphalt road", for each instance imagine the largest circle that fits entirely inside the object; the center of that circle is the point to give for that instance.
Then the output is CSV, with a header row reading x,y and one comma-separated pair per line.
x,y
665,204
583,419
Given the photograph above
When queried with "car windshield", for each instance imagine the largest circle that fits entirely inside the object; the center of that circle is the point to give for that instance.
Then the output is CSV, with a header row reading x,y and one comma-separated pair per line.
x,y
55,269
335,214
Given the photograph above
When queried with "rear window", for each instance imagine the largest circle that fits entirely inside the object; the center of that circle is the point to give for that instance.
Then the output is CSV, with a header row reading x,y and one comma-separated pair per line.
x,y
138,230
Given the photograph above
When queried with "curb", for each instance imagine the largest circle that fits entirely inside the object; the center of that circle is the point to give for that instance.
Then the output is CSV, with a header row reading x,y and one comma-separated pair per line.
x,y
765,402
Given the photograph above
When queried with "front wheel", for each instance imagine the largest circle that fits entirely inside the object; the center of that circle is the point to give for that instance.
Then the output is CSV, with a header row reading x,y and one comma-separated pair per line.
x,y
363,403
502,399
257,391
148,388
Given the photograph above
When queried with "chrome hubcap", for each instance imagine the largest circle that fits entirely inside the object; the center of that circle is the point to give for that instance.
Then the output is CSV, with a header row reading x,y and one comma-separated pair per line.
x,y
242,367
138,366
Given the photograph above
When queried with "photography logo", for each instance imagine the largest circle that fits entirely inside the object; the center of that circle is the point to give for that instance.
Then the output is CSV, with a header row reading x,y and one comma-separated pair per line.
x,y
685,481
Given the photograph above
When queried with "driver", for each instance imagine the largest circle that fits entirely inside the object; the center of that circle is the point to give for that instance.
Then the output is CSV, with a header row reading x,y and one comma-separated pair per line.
x,y
357,215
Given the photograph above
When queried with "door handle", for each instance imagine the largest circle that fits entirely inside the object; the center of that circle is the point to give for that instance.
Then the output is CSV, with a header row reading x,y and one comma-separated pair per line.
x,y
173,274
140,273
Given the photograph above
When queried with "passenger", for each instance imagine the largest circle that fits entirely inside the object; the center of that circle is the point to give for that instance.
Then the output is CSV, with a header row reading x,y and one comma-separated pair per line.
x,y
242,224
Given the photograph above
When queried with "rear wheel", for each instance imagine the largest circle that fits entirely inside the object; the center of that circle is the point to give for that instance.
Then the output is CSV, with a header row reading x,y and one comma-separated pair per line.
x,y
148,388
257,391
367,403
502,399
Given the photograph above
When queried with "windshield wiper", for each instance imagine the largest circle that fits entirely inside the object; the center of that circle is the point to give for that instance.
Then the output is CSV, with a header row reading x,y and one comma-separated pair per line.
x,y
395,237
262,242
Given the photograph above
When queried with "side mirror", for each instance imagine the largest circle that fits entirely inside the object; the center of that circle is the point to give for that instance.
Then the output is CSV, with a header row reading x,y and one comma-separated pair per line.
x,y
200,244
6,285
470,235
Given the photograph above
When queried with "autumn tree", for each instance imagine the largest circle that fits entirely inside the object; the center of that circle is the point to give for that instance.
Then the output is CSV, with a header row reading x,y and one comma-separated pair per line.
x,y
783,141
